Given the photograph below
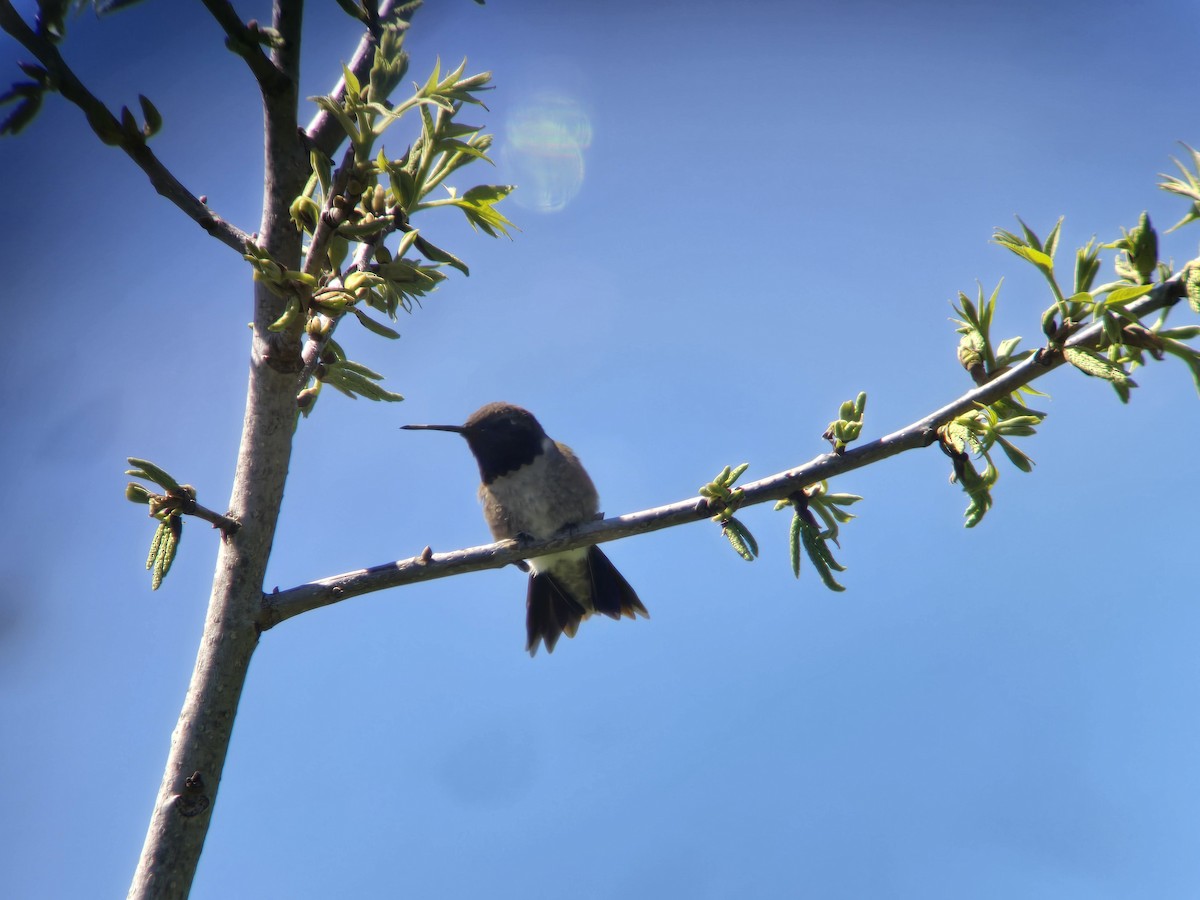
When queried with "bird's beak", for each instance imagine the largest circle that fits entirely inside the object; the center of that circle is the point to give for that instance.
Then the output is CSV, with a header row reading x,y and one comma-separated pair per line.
x,y
457,429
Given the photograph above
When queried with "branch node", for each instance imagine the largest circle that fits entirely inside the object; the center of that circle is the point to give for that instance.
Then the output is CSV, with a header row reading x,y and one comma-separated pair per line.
x,y
192,800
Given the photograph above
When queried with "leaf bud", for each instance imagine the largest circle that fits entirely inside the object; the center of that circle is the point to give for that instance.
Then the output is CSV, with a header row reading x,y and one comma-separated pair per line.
x,y
306,398
1143,248
135,493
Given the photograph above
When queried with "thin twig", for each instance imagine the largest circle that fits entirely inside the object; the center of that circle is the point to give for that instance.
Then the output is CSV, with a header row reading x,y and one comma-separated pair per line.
x,y
227,525
243,40
331,216
109,129
283,605
324,131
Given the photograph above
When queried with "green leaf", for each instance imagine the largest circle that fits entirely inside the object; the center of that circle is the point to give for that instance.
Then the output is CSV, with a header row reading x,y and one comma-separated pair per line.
x,y
740,539
351,382
978,489
290,318
436,254
335,109
794,542
1087,264
456,130
482,201
1125,294
356,231
371,325
478,205
1037,257
1015,456
1027,247
434,78
1030,238
451,147
150,472
818,552
1189,355
322,168
353,9
1051,243
353,88
27,97
360,369
136,493
1098,366
1006,348
151,116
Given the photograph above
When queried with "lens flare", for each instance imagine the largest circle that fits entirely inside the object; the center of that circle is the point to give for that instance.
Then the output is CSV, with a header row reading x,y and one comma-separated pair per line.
x,y
546,138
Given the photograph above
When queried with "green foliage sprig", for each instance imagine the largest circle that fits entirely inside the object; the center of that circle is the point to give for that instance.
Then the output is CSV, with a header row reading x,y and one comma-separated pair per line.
x,y
1136,265
1123,344
813,507
1188,186
371,196
806,532
723,497
849,424
168,508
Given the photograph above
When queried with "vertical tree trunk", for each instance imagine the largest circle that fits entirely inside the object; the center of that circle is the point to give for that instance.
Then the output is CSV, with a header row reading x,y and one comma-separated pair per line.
x,y
200,742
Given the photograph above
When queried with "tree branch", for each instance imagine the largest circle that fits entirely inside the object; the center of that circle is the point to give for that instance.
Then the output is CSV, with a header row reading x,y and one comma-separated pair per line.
x,y
110,131
244,40
324,131
282,605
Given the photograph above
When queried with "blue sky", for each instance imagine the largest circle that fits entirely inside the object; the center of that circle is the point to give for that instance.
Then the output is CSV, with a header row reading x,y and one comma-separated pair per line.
x,y
768,210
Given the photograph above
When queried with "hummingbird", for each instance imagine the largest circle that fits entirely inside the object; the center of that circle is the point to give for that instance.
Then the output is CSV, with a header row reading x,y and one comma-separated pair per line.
x,y
535,487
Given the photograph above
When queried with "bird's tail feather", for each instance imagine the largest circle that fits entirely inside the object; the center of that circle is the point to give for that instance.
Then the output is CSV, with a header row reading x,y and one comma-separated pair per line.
x,y
611,593
551,611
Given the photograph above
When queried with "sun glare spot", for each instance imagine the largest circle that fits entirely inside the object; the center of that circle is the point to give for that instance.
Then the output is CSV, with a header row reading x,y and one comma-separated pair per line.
x,y
546,138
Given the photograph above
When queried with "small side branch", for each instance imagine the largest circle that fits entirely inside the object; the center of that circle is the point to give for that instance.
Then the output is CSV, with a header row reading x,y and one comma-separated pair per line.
x,y
282,605
227,525
246,40
111,131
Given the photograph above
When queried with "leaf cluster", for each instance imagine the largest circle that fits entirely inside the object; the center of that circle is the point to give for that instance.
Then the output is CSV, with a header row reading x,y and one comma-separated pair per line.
x,y
27,96
849,424
1123,345
817,517
1186,184
811,508
167,508
1136,265
350,212
722,496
